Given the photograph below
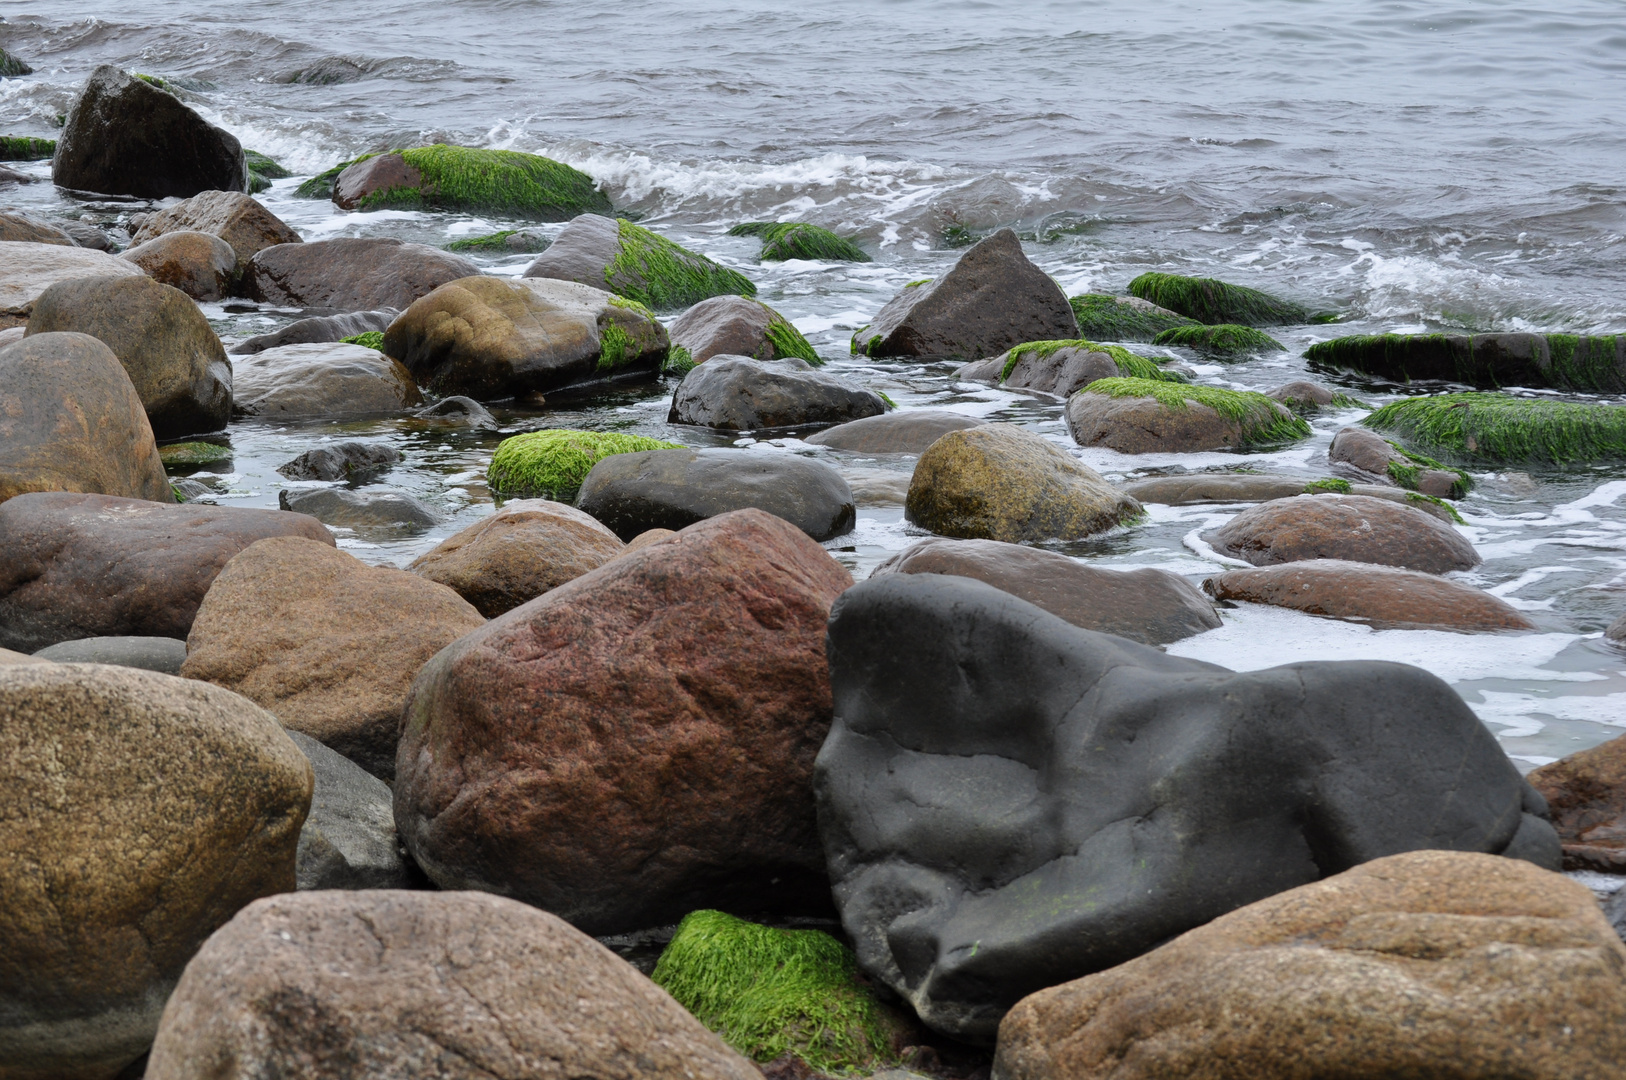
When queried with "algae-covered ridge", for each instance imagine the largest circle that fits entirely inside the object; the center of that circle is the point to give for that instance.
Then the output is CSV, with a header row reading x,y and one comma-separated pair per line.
x,y
1327,485
528,244
193,453
1102,316
783,240
555,461
1262,420
1224,339
25,148
372,339
1138,367
498,181
320,186
1214,302
626,331
1498,429
788,341
1406,474
654,271
769,992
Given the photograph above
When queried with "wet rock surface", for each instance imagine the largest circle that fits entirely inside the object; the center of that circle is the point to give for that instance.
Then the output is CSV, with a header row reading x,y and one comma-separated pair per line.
x,y
1384,596
1586,793
318,330
738,393
901,431
361,510
322,381
241,221
1356,528
1365,455
351,274
342,461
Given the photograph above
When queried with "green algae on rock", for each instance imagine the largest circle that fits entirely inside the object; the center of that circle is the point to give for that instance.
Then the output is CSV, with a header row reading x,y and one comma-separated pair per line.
x,y
1128,363
679,361
506,241
768,992
262,170
1123,318
1593,363
11,66
372,339
1220,340
1405,473
25,148
320,186
783,240
1498,429
1328,485
493,181
653,270
1264,422
556,460
193,453
1214,302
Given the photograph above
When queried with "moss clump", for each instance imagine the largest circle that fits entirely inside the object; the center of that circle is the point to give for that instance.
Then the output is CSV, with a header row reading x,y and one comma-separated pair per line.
x,y
857,346
1562,361
372,339
153,80
654,271
320,186
1129,365
1214,302
771,992
495,181
506,242
615,347
1419,497
788,341
799,240
556,461
1327,485
1261,419
265,166
24,148
679,361
193,453
1101,316
1225,339
1498,429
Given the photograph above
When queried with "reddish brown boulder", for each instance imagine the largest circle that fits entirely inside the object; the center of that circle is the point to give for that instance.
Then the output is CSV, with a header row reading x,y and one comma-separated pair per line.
x,y
1381,595
238,219
80,566
352,273
373,176
1353,527
1586,793
638,742
732,326
200,265
647,537
324,641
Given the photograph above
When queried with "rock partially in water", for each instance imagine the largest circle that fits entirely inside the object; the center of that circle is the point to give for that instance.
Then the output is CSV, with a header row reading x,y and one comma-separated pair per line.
x,y
1384,596
1187,489
1489,361
1499,429
554,462
472,179
161,654
1123,318
319,330
738,393
1147,416
21,228
241,221
901,431
782,240
322,381
341,461
366,511
1214,302
348,841
1362,454
201,266
635,263
1309,398
736,326
1356,528
459,410
351,273
1586,793
1224,342
28,269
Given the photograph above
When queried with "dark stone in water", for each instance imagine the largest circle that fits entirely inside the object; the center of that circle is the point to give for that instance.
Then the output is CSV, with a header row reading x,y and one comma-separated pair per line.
x,y
360,510
459,410
1487,361
738,393
341,461
903,431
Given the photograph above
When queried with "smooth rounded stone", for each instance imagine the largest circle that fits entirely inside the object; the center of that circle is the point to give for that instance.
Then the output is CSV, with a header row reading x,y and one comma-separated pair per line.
x,y
326,642
901,431
124,136
492,338
28,269
1429,963
737,393
636,263
341,461
104,567
240,220
647,537
672,489
734,326
1383,596
87,235
1145,425
518,553
200,265
1302,395
348,841
161,654
1192,488
1008,801
636,743
362,510
459,410
993,299
138,813
1362,454
1356,528
877,487
1150,606
1060,373
1001,482
21,228
322,381
351,273
70,420
319,330
173,357
434,986
1586,793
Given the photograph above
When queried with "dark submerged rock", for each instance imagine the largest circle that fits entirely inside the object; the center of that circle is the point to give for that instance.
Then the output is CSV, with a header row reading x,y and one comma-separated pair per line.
x,y
1595,363
738,393
341,461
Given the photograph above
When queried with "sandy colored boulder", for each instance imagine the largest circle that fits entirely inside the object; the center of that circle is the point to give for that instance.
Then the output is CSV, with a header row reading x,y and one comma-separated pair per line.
x,y
1586,793
1353,527
351,273
1385,596
28,269
138,813
324,641
31,230
322,381
200,265
1450,965
238,219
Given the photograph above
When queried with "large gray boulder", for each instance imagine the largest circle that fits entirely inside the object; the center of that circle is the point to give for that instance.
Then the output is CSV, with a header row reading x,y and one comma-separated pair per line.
x,y
164,655
349,840
1008,802
28,268
738,393
903,431
353,273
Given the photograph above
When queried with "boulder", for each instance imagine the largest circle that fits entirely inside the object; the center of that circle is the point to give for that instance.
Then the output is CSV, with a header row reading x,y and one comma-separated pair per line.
x,y
323,640
428,985
319,330
1356,528
633,262
1586,793
1365,455
1499,430
672,489
28,269
161,654
322,381
902,431
20,228
87,235
737,393
348,841
366,511
71,421
518,553
491,338
1593,364
993,299
351,461
240,220
1008,801
1226,342
504,182
1308,398
1147,605
1216,302
124,136
1186,489
1384,596
1002,482
96,566
1058,373
462,411
636,743
351,273
647,537
176,362
782,240
1123,318
736,326
138,813
1429,963
1149,416
200,265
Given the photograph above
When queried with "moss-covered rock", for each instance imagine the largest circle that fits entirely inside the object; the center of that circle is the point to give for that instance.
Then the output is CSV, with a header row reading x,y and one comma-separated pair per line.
x,y
555,461
783,240
468,178
634,262
265,165
737,326
1498,429
1308,398
1127,363
1327,485
1138,416
320,186
1123,318
1222,341
11,67
506,242
770,992
1366,455
24,148
193,453
1561,361
1214,302
372,339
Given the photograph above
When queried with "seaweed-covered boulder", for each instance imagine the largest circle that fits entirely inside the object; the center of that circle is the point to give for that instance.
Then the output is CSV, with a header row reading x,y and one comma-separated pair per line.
x,y
348,841
1001,482
1147,605
672,489
21,228
490,338
633,262
164,655
992,300
1223,342
1061,367
1308,398
319,330
200,265
25,147
138,813
737,393
70,420
1123,318
518,553
363,511
504,242
1214,302
124,136
636,743
28,269
1008,801
555,461
11,66
1499,429
1593,364
177,364
1586,793
901,431
504,182
1429,963
352,273
1357,528
782,240
737,326
341,461
240,220
1383,596
1361,454
1146,416
322,381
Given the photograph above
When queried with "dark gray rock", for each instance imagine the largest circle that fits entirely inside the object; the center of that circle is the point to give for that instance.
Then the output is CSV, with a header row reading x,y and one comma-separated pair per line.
x,y
319,330
672,489
165,654
349,841
459,410
189,490
362,510
904,431
1615,911
87,235
737,393
341,461
1008,802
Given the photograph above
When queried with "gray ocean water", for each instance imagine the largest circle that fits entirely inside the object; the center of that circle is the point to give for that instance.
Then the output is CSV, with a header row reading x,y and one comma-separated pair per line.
x,y
1414,165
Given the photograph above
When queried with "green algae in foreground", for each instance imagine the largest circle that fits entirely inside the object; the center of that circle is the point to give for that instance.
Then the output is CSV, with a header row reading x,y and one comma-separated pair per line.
x,y
1214,302
1129,365
557,460
783,240
1498,429
654,271
1261,419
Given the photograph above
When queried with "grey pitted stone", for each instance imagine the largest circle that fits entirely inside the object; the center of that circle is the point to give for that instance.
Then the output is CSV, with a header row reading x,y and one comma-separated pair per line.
x,y
343,509
1008,802
737,393
348,841
319,330
341,461
162,654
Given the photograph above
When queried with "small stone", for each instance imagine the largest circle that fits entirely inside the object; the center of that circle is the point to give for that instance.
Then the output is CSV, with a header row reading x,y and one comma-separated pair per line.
x,y
363,510
1586,794
341,461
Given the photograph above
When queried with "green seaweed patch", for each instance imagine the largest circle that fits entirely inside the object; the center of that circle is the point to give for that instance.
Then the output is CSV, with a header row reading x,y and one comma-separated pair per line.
x,y
1102,316
660,274
768,992
25,148
883,396
1224,339
615,347
783,240
264,165
155,81
1129,365
856,347
372,339
918,284
502,242
1497,429
1592,363
193,453
556,461
679,361
1419,497
1405,473
1327,485
496,181
1263,421
788,341
320,186
1215,302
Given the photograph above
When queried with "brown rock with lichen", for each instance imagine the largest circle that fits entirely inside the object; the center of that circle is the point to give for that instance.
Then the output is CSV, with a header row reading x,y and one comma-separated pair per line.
x,y
200,265
1586,794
